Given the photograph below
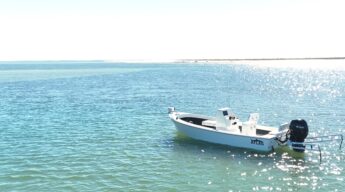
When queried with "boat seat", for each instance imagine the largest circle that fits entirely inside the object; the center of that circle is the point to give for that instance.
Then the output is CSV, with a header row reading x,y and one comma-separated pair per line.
x,y
249,127
253,118
209,123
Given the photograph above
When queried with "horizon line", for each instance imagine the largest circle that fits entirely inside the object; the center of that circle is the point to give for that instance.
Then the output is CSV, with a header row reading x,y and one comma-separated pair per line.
x,y
177,60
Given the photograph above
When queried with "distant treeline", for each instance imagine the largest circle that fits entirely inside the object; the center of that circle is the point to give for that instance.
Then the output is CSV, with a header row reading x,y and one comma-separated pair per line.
x,y
262,59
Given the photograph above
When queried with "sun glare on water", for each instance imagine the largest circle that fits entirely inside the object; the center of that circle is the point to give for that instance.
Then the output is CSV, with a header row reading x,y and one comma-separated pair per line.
x,y
299,64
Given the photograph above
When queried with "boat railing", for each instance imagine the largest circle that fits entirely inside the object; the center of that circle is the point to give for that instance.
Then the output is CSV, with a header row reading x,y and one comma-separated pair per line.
x,y
326,138
313,143
301,146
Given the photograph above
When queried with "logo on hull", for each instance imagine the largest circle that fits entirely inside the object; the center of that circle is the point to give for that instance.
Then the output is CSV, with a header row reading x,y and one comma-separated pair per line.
x,y
256,142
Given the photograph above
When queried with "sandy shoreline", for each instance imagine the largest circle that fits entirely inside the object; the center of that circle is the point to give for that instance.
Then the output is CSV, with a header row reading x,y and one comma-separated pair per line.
x,y
329,63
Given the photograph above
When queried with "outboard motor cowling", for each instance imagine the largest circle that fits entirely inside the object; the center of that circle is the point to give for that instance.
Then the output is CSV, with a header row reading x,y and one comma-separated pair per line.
x,y
298,132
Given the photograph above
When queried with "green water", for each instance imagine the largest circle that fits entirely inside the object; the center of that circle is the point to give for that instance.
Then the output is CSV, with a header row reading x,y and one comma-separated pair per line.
x,y
104,127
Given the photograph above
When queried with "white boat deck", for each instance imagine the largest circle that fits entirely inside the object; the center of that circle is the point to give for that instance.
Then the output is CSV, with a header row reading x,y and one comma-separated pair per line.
x,y
260,130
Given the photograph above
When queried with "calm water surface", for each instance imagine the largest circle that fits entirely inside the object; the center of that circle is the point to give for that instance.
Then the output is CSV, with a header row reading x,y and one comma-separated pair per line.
x,y
104,127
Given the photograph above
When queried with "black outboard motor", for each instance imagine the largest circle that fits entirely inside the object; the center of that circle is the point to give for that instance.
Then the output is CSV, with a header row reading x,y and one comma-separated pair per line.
x,y
298,132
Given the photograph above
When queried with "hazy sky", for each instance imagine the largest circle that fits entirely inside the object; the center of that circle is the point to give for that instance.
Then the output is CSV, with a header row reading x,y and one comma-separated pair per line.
x,y
174,29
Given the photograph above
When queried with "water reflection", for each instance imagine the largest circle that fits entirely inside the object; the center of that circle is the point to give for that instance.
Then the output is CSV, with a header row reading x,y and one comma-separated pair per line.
x,y
281,170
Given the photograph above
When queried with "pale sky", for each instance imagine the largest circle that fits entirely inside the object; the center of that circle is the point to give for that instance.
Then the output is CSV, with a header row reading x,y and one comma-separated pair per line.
x,y
174,29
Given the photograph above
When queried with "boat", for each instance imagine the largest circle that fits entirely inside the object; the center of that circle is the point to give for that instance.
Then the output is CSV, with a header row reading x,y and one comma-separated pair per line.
x,y
227,129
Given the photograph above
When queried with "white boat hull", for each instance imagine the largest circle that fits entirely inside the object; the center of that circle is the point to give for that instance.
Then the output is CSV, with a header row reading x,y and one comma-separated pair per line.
x,y
258,143
227,129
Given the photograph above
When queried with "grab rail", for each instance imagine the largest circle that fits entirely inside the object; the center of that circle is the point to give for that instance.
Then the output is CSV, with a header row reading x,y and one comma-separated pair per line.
x,y
304,146
326,138
313,143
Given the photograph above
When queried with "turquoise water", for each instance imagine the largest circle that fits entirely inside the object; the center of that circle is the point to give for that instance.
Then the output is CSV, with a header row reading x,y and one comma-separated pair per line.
x,y
104,127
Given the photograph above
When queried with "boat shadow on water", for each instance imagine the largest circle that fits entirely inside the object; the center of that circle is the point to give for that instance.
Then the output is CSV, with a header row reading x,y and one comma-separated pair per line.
x,y
284,159
184,144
